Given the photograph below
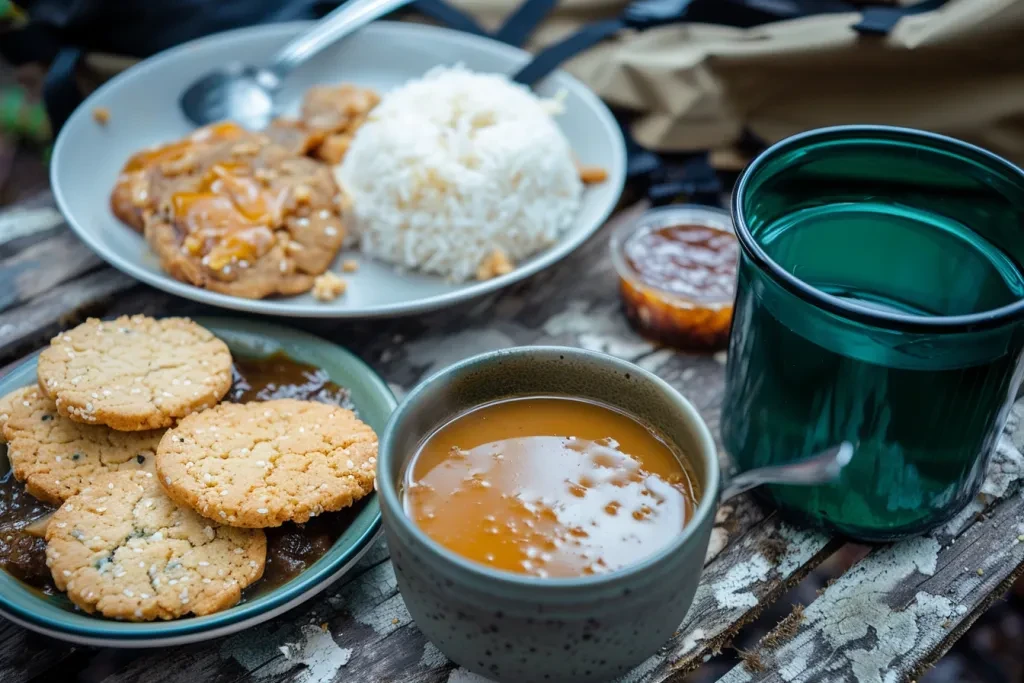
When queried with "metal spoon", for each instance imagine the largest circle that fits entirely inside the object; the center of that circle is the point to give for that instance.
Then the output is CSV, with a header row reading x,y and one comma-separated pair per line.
x,y
245,93
823,468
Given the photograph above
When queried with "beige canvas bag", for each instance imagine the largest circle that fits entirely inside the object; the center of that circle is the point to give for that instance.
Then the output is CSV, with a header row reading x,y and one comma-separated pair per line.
x,y
957,70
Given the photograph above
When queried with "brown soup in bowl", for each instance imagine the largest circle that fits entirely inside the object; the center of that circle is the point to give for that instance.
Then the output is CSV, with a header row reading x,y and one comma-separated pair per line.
x,y
549,486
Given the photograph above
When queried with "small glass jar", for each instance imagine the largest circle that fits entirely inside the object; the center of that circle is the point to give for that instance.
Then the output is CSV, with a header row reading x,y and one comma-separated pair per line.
x,y
679,291
880,301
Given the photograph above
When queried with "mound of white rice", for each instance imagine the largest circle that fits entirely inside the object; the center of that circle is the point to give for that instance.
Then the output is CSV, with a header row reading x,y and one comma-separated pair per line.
x,y
451,167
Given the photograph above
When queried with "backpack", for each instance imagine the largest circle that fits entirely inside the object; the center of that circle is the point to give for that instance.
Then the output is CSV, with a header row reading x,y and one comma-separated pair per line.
x,y
690,80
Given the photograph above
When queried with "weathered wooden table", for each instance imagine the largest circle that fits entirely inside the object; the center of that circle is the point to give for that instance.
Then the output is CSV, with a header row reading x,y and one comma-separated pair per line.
x,y
885,620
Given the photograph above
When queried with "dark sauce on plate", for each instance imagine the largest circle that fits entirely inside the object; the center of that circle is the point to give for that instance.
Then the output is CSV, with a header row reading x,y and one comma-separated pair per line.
x,y
278,376
291,548
22,554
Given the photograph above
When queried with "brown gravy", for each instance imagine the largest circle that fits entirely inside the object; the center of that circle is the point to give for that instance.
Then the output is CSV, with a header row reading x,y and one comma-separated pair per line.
x,y
549,486
291,548
22,554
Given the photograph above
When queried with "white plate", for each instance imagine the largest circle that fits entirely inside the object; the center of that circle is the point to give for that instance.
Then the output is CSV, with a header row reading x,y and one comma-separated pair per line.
x,y
143,105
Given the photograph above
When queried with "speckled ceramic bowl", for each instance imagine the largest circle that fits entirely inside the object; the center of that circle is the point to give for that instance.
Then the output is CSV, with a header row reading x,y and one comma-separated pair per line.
x,y
510,627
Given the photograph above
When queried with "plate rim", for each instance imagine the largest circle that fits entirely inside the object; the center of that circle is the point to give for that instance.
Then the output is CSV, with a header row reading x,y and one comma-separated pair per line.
x,y
286,307
124,642
188,630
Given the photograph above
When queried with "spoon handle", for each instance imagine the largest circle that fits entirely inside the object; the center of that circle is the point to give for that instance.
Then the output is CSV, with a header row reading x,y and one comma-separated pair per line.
x,y
350,17
823,468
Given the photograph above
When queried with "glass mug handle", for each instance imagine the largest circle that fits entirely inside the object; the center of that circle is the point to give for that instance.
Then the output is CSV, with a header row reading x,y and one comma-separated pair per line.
x,y
823,468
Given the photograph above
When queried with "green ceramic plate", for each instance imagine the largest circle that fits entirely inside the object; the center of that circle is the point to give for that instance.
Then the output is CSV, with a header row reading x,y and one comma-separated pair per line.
x,y
374,402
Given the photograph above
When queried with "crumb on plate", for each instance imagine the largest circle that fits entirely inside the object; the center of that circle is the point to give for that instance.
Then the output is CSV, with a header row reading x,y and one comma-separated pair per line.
x,y
350,265
101,115
494,264
328,287
591,175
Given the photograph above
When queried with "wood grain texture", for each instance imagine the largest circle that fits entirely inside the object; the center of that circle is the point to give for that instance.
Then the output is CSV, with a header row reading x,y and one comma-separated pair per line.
x,y
41,266
900,608
26,222
60,307
25,655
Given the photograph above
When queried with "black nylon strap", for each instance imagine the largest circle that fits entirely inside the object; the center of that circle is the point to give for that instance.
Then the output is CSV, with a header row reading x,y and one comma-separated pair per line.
x,y
690,176
521,23
555,55
450,16
643,14
880,21
60,90
32,43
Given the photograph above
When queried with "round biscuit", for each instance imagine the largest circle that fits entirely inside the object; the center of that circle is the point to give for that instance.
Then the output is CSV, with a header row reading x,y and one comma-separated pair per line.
x,y
263,464
135,373
56,457
125,550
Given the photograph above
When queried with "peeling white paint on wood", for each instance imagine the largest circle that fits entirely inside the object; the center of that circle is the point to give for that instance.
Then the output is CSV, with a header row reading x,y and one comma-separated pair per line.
x,y
719,536
270,650
738,674
691,640
963,518
733,590
15,223
432,658
732,586
385,618
717,543
460,675
791,669
1007,464
897,606
897,635
723,513
598,330
321,656
367,593
855,607
315,658
254,647
801,544
1005,469
438,352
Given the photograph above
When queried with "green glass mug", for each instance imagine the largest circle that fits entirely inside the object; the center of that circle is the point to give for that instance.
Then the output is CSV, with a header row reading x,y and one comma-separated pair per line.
x,y
880,300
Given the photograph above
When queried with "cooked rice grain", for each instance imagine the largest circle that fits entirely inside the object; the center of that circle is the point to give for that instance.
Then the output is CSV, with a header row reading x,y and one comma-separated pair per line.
x,y
455,166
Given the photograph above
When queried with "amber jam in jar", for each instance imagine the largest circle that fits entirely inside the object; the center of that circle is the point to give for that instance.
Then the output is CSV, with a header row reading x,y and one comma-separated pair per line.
x,y
677,275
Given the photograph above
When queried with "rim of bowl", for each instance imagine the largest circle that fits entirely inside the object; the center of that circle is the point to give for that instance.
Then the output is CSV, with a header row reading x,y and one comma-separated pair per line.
x,y
388,492
712,217
841,307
